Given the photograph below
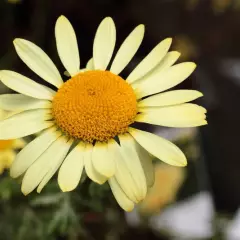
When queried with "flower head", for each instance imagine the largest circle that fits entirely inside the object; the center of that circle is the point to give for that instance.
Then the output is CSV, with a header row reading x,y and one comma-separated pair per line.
x,y
87,123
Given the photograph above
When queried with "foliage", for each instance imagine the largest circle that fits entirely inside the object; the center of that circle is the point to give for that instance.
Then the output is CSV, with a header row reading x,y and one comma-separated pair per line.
x,y
52,213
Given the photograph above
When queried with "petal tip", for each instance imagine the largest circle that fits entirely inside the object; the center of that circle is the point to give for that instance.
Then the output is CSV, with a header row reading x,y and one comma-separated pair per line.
x,y
141,26
61,17
65,188
18,40
15,41
108,19
194,65
177,53
168,40
39,190
129,209
184,164
100,182
24,191
12,173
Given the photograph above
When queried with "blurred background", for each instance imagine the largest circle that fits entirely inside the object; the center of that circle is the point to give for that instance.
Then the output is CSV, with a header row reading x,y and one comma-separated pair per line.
x,y
200,201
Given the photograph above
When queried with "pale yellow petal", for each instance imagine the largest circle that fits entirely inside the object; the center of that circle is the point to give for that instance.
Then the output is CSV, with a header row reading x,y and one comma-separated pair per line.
x,y
67,45
104,43
50,158
90,65
170,98
150,61
25,123
19,143
183,115
133,163
165,79
71,170
124,202
159,147
123,175
19,102
102,161
147,165
55,164
26,86
38,61
90,170
128,49
32,151
3,114
169,59
67,74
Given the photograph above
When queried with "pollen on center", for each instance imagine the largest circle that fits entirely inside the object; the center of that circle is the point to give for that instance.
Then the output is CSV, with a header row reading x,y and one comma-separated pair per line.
x,y
95,105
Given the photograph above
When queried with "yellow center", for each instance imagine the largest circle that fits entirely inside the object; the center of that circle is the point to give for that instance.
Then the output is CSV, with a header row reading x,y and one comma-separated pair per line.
x,y
95,105
4,144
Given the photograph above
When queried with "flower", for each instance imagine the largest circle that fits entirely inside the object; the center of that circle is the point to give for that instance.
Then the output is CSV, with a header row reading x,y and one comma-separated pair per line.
x,y
8,147
220,6
168,180
87,123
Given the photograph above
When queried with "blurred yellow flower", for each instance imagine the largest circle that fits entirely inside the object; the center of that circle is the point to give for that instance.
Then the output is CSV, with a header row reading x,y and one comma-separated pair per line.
x,y
220,6
8,147
13,1
168,180
236,5
186,46
192,4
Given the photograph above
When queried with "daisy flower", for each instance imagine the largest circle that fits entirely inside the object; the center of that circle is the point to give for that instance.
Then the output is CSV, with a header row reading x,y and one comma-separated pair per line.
x,y
87,122
8,147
